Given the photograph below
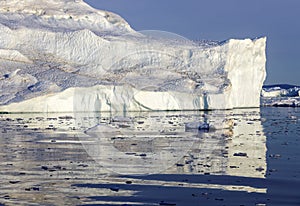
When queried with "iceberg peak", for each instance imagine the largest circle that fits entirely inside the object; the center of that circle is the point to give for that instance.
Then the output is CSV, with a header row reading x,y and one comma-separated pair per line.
x,y
59,15
33,6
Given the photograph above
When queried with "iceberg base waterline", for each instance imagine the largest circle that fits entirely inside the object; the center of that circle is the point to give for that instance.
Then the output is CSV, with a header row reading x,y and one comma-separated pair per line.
x,y
117,99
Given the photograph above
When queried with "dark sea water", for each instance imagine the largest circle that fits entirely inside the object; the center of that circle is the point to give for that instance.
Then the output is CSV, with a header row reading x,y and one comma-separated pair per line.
x,y
151,158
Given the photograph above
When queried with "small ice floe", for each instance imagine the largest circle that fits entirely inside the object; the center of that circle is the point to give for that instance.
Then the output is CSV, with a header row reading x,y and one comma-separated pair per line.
x,y
211,126
192,125
240,154
204,127
121,119
201,126
122,122
225,124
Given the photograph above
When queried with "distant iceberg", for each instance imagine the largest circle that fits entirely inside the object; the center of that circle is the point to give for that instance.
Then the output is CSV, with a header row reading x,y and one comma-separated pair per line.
x,y
282,95
65,56
281,90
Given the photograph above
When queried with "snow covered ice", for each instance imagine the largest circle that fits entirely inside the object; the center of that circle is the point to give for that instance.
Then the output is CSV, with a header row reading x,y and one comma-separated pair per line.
x,y
282,95
281,90
64,56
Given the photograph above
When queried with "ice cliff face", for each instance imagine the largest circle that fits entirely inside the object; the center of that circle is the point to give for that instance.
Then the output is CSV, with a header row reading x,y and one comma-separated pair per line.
x,y
66,56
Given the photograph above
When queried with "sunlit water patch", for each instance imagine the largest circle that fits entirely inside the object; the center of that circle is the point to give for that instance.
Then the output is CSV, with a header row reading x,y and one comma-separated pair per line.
x,y
215,158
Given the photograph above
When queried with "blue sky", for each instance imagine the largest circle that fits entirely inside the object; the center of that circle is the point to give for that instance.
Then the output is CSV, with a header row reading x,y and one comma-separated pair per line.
x,y
279,20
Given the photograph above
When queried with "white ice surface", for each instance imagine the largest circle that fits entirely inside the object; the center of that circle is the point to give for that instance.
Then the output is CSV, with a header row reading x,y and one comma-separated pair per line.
x,y
281,102
281,91
281,96
66,56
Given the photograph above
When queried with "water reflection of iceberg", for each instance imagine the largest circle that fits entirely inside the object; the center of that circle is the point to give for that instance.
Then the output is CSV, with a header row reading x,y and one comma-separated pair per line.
x,y
128,152
237,152
231,160
147,143
157,142
249,139
142,143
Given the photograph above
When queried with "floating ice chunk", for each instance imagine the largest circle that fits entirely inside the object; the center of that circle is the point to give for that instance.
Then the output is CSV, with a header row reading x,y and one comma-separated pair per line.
x,y
121,119
207,126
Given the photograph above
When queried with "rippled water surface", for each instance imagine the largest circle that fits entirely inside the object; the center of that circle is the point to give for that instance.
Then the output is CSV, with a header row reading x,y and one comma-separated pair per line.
x,y
246,157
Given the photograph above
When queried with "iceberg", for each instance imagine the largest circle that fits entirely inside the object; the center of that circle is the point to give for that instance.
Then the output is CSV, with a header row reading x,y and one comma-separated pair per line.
x,y
281,90
282,95
281,102
65,56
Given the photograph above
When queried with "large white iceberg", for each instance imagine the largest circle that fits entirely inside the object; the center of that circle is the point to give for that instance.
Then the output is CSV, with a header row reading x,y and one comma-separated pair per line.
x,y
64,56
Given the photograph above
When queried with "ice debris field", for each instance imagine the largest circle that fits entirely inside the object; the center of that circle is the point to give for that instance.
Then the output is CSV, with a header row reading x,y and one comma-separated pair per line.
x,y
65,56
